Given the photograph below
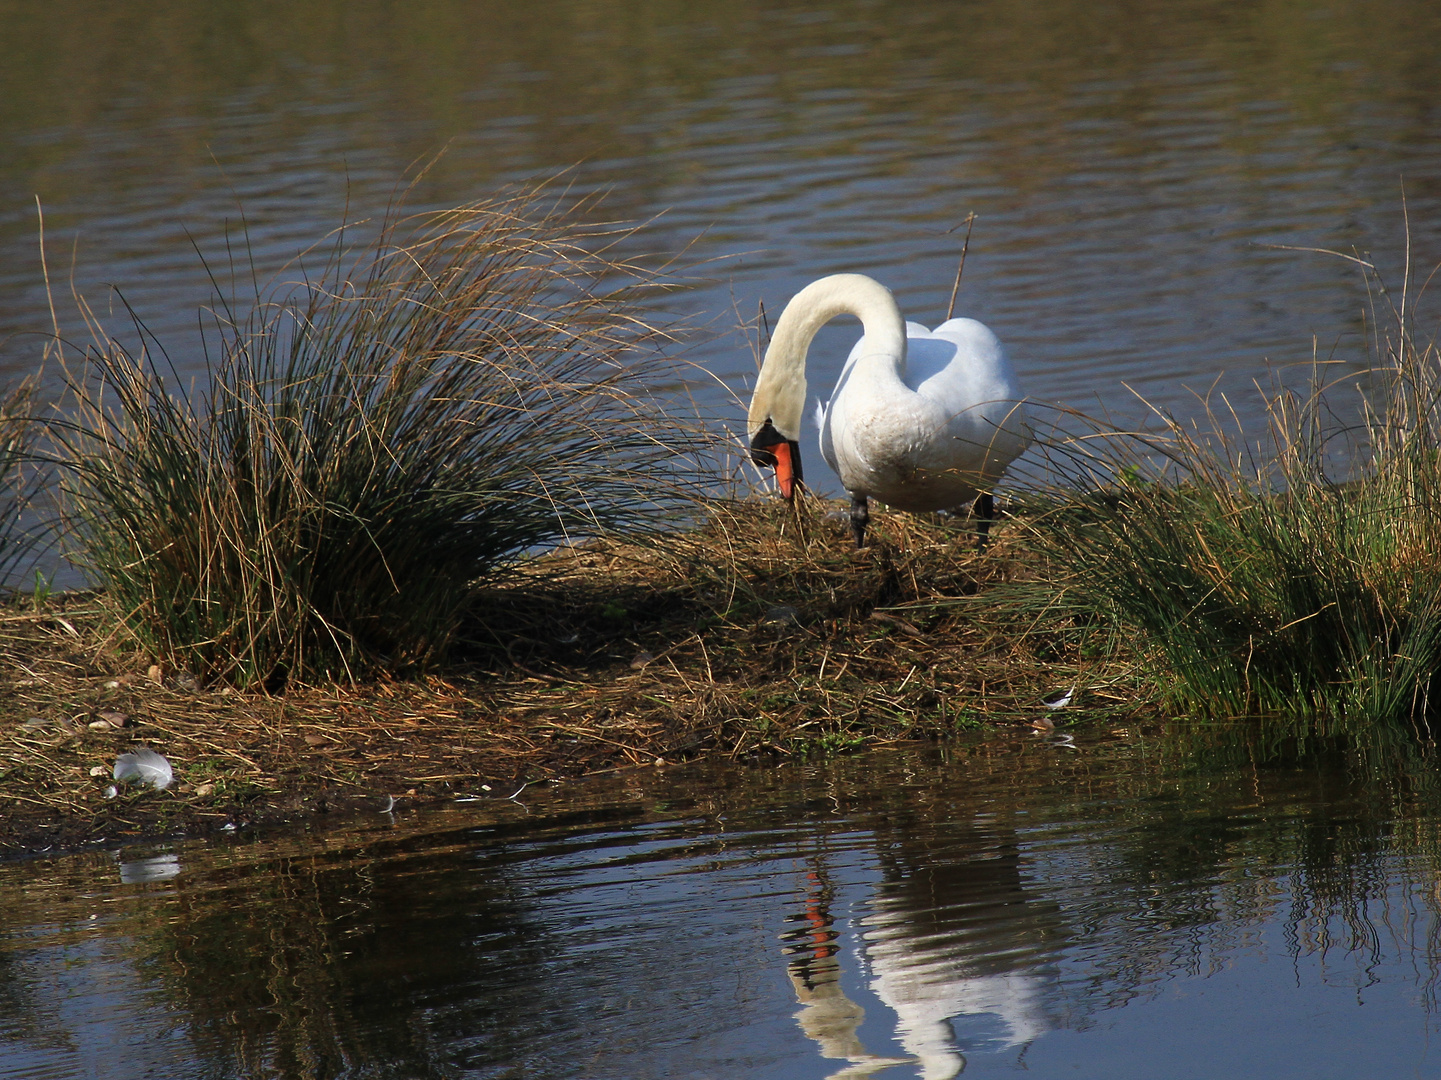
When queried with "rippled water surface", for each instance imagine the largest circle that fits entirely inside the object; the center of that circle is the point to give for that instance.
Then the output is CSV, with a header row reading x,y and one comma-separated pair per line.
x,y
1129,163
1000,909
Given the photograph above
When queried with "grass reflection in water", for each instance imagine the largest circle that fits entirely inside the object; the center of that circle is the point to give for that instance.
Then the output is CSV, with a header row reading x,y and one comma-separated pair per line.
x,y
982,907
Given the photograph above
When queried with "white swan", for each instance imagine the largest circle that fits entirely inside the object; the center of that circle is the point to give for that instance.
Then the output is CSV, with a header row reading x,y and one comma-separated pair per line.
x,y
921,420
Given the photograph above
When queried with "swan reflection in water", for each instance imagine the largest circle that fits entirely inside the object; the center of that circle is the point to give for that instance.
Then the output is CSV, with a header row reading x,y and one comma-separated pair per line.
x,y
827,1015
953,945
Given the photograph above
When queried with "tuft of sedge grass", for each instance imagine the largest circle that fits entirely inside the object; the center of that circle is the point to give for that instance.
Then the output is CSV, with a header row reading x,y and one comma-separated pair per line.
x,y
374,440
1295,576
23,476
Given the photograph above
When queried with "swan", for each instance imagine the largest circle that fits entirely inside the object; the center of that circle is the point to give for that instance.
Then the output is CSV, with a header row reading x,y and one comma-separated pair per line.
x,y
919,419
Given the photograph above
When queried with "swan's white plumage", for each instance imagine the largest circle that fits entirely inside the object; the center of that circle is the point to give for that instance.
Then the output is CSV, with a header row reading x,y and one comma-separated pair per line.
x,y
920,419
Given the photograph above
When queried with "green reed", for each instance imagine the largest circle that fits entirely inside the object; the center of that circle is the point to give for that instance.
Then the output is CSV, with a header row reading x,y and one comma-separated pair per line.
x,y
1298,574
376,437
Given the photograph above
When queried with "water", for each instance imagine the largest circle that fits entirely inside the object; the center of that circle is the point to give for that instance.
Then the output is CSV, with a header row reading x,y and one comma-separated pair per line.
x,y
1005,908
1129,163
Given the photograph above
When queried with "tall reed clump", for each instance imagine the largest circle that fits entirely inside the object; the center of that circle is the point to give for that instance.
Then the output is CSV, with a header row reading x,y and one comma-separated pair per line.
x,y
372,443
1297,575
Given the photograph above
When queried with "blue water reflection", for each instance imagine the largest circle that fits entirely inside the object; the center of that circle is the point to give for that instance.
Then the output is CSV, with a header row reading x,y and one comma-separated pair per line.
x,y
913,915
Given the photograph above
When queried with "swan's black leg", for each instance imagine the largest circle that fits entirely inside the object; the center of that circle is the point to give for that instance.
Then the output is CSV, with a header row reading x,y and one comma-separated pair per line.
x,y
860,517
984,509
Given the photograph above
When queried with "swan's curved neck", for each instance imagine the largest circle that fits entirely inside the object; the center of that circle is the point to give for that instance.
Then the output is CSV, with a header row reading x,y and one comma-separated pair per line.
x,y
780,392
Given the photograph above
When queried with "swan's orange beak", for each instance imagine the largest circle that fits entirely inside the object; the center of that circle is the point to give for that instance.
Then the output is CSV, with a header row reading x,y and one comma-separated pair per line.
x,y
785,469
770,448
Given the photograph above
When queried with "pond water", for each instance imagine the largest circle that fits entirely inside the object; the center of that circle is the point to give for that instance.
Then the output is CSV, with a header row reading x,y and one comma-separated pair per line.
x,y
1129,163
1046,907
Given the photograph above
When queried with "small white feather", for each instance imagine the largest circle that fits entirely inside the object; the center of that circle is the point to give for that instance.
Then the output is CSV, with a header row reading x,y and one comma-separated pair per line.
x,y
1062,701
146,767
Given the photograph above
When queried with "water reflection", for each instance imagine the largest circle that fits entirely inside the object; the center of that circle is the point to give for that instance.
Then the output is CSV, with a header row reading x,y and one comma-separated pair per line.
x,y
150,868
827,1015
1018,908
957,945
954,945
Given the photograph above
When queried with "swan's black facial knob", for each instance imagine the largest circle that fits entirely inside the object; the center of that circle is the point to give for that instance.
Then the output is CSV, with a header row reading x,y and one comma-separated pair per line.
x,y
770,449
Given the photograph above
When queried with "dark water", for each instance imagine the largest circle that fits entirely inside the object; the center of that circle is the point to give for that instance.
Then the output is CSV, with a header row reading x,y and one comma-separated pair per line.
x,y
1003,909
1129,162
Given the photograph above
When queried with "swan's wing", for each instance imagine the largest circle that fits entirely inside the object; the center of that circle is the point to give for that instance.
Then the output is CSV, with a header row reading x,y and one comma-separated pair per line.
x,y
927,357
963,368
965,365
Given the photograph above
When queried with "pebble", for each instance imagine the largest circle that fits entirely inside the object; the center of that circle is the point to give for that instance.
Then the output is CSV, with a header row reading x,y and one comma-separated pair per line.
x,y
99,770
